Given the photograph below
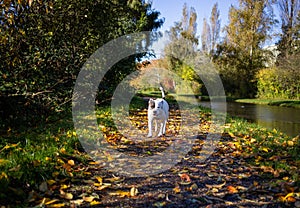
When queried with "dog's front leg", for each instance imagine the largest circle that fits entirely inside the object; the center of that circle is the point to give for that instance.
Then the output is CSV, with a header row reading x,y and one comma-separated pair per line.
x,y
161,130
150,122
164,127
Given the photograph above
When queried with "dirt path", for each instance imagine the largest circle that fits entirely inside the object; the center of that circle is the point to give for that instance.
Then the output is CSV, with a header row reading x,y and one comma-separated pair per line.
x,y
225,179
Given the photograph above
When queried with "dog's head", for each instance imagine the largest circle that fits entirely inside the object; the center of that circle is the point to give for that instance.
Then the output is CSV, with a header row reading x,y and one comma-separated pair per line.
x,y
155,106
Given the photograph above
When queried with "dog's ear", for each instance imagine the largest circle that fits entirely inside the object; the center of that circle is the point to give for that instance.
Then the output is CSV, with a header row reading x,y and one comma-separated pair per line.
x,y
151,103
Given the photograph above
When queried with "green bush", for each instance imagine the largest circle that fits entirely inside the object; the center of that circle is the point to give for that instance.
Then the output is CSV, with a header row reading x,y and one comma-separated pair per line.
x,y
277,83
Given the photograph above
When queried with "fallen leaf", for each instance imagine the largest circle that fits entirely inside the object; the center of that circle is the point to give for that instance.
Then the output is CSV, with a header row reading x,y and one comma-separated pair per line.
x,y
291,199
99,179
3,161
77,202
176,190
94,203
255,183
64,186
51,182
231,134
120,193
8,146
71,162
88,198
133,191
232,189
65,195
185,178
290,143
57,205
51,201
103,186
216,185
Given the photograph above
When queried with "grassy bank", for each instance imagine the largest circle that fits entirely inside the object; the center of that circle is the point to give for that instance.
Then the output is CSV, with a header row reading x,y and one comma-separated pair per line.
x,y
274,102
27,159
30,158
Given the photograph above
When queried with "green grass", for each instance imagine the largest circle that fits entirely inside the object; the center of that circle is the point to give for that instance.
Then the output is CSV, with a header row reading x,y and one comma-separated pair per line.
x,y
28,158
274,102
267,148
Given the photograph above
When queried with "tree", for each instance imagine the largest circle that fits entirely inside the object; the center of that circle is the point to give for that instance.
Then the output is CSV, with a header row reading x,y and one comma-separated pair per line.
x,y
43,45
206,37
288,12
215,25
240,56
183,45
182,36
211,31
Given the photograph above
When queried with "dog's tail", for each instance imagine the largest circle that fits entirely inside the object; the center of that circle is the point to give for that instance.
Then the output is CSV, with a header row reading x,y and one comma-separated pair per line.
x,y
162,92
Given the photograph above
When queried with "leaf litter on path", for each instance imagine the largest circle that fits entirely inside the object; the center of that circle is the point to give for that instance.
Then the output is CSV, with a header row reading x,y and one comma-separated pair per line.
x,y
225,179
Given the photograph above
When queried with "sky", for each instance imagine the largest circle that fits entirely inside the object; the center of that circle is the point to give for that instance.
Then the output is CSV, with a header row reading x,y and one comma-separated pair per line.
x,y
171,10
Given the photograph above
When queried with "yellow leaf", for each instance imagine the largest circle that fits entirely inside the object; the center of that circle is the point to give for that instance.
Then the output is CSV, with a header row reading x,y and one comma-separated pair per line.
x,y
94,163
51,182
231,134
63,150
120,193
176,190
9,146
48,158
55,174
290,143
68,196
105,185
87,173
3,161
88,198
57,205
265,149
94,203
99,179
71,162
133,191
65,195
77,202
64,186
60,161
289,195
51,201
3,175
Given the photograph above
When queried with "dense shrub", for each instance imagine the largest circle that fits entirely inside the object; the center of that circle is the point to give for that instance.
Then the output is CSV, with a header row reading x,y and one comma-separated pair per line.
x,y
277,83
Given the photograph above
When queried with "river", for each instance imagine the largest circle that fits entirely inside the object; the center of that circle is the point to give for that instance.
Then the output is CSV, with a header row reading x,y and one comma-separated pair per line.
x,y
284,119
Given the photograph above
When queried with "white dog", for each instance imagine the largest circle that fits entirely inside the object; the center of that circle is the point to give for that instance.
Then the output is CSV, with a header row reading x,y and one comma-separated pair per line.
x,y
158,111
